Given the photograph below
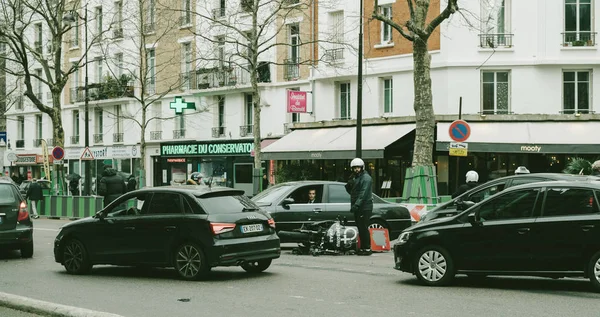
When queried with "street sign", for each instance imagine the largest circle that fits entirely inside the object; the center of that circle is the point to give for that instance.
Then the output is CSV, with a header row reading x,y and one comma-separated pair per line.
x,y
12,157
87,155
58,153
458,149
459,131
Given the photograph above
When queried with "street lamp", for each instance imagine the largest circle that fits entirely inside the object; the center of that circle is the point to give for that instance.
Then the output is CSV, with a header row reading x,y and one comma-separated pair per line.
x,y
359,85
87,168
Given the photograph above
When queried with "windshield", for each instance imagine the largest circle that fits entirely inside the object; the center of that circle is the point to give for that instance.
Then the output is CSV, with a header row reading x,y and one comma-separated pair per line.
x,y
271,194
226,204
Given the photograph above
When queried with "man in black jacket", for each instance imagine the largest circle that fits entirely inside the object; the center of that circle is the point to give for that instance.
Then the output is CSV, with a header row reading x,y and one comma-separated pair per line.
x,y
34,194
472,179
112,186
361,201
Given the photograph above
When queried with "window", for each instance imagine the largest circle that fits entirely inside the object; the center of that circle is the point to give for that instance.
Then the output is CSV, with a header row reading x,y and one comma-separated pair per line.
x,y
578,23
485,193
99,121
38,126
151,16
386,29
300,195
186,13
495,92
221,51
495,23
118,119
150,62
119,18
76,123
247,5
75,34
514,205
38,37
186,65
165,203
98,18
344,89
179,122
157,110
38,83
75,76
226,204
99,70
336,25
338,195
294,53
388,99
569,202
221,111
249,109
576,92
21,127
119,64
295,115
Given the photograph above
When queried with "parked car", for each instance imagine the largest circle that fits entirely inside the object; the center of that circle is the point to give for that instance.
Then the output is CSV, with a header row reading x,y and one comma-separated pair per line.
x,y
483,191
548,229
16,227
46,184
287,204
190,228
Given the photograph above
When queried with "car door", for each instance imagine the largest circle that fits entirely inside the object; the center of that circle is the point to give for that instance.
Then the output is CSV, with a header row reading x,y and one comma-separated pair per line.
x,y
159,226
564,231
289,216
338,204
500,239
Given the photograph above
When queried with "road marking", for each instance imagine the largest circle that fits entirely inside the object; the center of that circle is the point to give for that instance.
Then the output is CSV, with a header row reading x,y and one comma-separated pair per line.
x,y
46,229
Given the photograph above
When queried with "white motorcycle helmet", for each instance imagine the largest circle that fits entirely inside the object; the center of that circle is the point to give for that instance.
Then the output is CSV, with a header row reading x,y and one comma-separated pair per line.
x,y
357,162
472,176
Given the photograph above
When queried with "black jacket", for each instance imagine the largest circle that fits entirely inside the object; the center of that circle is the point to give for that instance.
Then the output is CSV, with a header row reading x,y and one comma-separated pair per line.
x,y
464,188
360,188
131,184
34,192
111,186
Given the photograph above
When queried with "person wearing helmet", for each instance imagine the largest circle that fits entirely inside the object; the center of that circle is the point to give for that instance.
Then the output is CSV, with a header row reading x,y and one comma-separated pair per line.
x,y
521,170
196,178
596,168
472,179
361,201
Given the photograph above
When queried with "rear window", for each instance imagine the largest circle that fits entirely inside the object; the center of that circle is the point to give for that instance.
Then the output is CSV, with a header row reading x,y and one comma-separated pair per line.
x,y
226,204
7,194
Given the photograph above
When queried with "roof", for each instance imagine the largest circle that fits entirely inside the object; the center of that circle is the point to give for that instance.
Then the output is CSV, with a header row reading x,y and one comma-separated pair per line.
x,y
592,184
196,190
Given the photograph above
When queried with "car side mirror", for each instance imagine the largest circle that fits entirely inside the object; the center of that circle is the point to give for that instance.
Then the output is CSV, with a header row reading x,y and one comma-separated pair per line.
x,y
473,219
464,205
286,202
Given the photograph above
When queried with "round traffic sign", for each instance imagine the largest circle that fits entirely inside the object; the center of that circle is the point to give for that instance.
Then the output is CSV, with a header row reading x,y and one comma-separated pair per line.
x,y
12,157
459,130
58,153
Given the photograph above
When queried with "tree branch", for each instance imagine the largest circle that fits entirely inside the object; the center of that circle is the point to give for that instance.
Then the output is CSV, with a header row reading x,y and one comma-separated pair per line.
x,y
450,9
378,16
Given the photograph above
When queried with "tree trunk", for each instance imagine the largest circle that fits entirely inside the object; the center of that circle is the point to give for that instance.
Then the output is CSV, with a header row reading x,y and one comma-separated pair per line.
x,y
423,105
58,134
142,181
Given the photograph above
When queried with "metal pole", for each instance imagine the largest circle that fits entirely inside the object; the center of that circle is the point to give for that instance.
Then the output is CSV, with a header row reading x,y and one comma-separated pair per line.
x,y
359,85
457,183
88,171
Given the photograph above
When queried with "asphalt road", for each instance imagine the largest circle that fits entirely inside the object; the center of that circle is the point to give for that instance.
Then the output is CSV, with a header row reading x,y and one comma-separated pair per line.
x,y
293,286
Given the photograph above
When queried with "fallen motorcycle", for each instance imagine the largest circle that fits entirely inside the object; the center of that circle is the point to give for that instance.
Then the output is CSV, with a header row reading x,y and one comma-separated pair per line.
x,y
333,237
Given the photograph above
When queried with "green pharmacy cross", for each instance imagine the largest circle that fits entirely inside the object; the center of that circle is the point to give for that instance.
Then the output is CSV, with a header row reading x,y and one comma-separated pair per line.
x,y
179,104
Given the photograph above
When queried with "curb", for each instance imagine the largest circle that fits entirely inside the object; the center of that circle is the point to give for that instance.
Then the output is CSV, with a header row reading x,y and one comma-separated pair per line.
x,y
46,308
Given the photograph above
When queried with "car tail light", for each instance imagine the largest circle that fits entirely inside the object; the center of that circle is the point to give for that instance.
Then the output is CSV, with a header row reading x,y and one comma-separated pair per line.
x,y
219,228
23,213
271,223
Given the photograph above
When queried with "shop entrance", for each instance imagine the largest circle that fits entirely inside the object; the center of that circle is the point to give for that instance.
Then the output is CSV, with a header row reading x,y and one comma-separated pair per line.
x,y
242,178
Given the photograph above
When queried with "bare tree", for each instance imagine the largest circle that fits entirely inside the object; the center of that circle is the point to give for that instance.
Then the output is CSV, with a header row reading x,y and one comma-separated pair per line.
x,y
418,30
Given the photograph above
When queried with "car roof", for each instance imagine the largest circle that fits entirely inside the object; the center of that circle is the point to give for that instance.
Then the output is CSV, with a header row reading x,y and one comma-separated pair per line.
x,y
307,182
592,184
196,190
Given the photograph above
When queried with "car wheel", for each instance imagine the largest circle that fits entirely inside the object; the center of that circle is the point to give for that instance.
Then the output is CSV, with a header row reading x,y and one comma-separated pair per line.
x,y
256,266
27,250
75,258
434,266
594,271
190,262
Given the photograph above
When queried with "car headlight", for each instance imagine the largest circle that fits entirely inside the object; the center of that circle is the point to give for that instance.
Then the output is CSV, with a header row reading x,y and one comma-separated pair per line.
x,y
404,236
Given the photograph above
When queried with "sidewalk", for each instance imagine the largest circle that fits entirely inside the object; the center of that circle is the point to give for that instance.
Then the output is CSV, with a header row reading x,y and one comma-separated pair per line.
x,y
19,306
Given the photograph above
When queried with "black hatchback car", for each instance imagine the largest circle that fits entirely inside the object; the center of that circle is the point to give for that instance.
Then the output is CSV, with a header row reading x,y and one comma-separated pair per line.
x,y
548,229
485,190
190,228
16,228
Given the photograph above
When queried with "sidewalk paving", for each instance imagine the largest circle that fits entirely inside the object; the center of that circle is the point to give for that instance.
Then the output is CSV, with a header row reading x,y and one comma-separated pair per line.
x,y
29,307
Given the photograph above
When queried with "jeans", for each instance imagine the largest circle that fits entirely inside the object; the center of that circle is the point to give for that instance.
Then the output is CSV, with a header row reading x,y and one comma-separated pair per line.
x,y
33,204
362,222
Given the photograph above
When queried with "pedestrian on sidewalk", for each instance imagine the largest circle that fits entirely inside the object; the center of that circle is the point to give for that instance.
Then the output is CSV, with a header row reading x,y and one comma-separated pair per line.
x,y
360,188
34,194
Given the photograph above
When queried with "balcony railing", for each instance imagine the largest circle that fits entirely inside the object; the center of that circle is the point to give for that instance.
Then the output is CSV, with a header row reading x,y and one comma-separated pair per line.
x,y
334,55
155,135
577,111
218,13
206,78
149,27
98,138
246,130
96,92
218,132
74,139
179,134
118,33
495,40
497,111
37,142
579,38
291,70
20,144
118,137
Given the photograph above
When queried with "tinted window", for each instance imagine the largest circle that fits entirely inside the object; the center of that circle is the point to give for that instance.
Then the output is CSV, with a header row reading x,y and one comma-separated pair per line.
x,y
226,204
485,193
271,194
165,203
569,201
132,206
338,194
7,194
513,205
300,195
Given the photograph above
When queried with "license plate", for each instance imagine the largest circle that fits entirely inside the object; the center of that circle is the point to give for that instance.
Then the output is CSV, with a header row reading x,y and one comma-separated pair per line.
x,y
252,228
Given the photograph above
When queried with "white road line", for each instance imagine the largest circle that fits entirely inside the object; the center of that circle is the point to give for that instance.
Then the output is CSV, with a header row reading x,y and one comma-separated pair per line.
x,y
45,229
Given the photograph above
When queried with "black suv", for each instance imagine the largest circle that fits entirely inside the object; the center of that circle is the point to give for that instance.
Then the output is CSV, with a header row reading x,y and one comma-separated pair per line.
x,y
16,228
548,229
485,190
